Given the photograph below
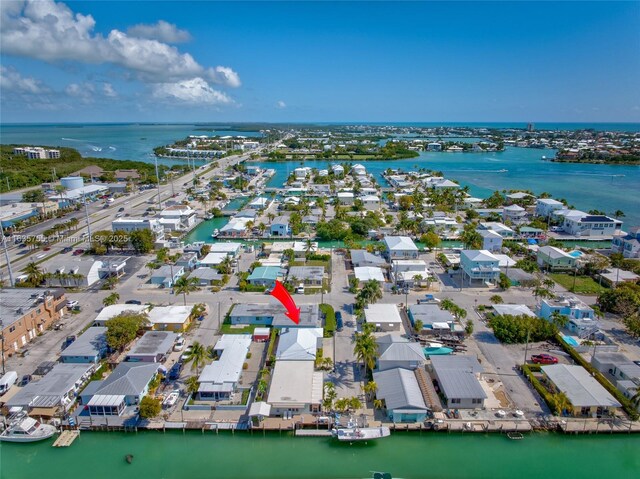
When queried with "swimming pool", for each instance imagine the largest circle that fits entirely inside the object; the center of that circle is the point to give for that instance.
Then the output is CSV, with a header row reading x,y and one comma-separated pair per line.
x,y
570,341
575,253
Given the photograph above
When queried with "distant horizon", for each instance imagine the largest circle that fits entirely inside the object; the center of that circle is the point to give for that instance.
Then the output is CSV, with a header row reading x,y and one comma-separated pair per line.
x,y
319,122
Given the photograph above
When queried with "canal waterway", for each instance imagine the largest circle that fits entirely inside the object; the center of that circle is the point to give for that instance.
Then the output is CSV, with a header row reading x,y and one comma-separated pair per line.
x,y
192,455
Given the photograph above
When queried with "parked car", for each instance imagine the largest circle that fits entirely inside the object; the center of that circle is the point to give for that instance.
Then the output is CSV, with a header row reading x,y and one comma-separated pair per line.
x,y
72,304
78,252
174,372
179,346
120,210
339,323
186,354
67,249
544,359
46,248
132,301
8,380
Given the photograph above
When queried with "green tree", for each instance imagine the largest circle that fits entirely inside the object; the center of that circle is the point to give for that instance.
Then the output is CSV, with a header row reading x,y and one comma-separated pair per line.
x,y
504,283
469,327
430,240
142,241
366,349
149,407
370,389
123,328
185,286
418,325
35,276
198,356
111,299
192,384
496,299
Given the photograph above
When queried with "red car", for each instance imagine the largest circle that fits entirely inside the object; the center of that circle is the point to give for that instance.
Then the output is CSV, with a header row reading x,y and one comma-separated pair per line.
x,y
46,248
544,359
78,252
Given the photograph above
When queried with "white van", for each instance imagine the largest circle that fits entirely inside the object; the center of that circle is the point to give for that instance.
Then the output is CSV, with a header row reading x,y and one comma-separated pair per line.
x,y
7,381
300,289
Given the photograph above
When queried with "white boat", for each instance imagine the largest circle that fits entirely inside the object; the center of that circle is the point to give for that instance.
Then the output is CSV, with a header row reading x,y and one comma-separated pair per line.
x,y
215,234
26,429
354,434
171,399
434,345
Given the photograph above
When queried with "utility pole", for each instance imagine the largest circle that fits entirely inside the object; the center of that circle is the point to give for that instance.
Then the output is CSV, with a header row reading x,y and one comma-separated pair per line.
x,y
158,184
86,213
6,255
526,348
2,346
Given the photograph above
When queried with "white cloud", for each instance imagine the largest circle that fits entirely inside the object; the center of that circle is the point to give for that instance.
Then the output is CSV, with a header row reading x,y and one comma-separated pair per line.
x,y
12,80
161,31
280,104
195,91
49,31
107,90
81,91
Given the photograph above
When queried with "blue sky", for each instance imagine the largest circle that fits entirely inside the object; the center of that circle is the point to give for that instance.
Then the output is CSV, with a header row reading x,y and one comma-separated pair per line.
x,y
320,61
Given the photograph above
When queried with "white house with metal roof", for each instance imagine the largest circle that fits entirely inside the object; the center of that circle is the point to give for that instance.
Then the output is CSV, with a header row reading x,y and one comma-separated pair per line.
x,y
458,380
299,344
400,247
90,347
479,265
110,312
587,396
402,395
385,317
296,388
396,351
220,379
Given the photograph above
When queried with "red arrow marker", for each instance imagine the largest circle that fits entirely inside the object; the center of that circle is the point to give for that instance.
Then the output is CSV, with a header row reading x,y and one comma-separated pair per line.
x,y
281,294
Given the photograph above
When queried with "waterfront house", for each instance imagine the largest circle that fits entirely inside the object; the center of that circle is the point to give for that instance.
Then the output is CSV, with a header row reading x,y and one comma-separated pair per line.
x,y
220,379
405,271
578,223
513,310
627,244
361,257
90,347
296,388
402,395
358,170
137,224
206,276
458,379
229,248
491,240
396,351
434,146
400,247
55,392
299,344
213,260
184,214
515,214
625,374
26,312
265,276
235,228
545,207
554,259
479,265
259,203
615,276
174,318
246,213
300,248
501,229
385,317
581,317
280,226
125,387
166,275
152,347
309,275
587,396
337,170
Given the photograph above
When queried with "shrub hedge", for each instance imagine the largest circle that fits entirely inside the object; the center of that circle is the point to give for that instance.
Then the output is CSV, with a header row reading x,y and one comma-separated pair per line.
x,y
329,319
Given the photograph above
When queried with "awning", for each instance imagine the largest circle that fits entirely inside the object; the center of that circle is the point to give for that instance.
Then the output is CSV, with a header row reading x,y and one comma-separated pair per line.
x,y
260,408
105,400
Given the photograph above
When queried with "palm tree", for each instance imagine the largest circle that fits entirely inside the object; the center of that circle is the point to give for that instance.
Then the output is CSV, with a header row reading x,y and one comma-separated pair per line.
x,y
34,274
198,356
618,214
225,266
184,286
111,299
635,399
559,319
366,349
192,384
329,396
370,389
562,403
496,299
378,403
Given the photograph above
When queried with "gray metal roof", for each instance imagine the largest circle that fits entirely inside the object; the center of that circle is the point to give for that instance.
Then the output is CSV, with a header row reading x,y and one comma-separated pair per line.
x,y
127,379
400,243
396,348
513,309
307,272
206,273
309,317
460,383
153,343
257,309
49,391
363,257
460,362
93,342
399,388
579,386
17,302
430,313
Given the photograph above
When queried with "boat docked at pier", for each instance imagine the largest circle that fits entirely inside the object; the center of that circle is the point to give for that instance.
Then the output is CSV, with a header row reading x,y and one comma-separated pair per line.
x,y
23,428
361,433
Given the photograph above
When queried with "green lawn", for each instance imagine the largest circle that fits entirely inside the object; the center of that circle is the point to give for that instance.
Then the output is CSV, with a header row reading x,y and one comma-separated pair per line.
x,y
231,329
584,284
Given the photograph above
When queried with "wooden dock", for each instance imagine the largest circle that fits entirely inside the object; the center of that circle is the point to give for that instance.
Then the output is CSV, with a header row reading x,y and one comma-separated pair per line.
x,y
66,438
